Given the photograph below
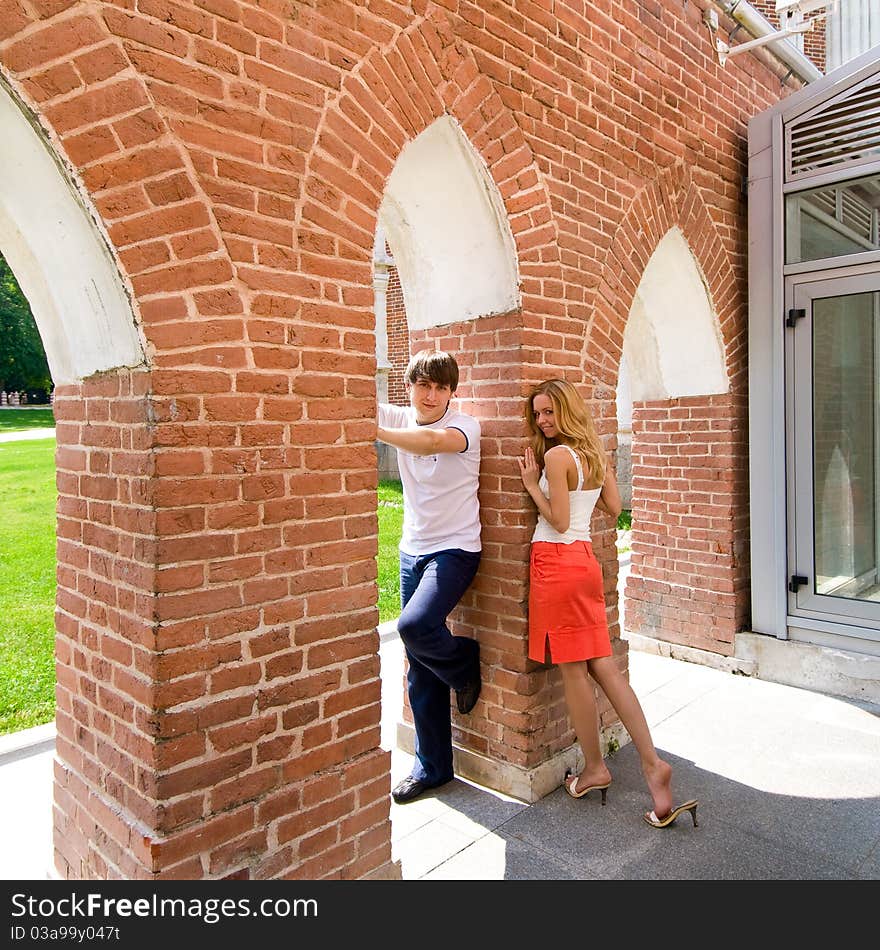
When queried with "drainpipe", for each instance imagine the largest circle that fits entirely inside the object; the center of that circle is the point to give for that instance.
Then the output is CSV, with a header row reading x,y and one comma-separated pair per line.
x,y
746,15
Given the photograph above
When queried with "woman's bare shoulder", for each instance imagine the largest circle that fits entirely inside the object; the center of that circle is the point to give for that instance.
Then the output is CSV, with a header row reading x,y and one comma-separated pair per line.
x,y
560,451
559,455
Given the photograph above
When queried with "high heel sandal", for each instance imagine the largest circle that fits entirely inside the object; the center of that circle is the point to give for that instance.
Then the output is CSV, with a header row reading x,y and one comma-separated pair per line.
x,y
664,822
571,787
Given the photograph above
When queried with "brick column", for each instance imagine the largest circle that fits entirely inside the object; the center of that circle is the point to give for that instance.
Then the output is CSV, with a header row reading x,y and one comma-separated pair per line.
x,y
217,715
519,738
105,647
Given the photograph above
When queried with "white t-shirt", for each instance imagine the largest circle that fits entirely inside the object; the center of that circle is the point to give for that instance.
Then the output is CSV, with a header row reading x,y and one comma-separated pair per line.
x,y
440,506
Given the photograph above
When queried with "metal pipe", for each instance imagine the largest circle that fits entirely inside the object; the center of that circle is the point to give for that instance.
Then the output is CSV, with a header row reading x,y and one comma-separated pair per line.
x,y
758,26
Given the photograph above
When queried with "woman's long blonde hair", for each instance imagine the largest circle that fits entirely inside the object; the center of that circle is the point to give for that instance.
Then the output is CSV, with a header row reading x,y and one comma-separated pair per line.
x,y
575,425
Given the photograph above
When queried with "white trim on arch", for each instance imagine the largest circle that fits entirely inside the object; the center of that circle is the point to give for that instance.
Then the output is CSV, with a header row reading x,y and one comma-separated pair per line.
x,y
59,257
448,230
672,343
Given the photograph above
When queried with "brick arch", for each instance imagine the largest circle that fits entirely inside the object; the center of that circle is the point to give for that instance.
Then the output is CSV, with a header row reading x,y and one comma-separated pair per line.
x,y
177,583
376,113
688,579
219,698
673,199
362,132
86,76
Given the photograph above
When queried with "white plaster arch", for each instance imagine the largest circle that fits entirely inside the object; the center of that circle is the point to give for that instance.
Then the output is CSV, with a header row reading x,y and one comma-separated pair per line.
x,y
672,343
447,227
59,257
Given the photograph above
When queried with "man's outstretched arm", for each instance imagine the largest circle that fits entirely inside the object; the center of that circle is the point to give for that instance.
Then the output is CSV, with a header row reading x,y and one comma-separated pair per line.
x,y
421,441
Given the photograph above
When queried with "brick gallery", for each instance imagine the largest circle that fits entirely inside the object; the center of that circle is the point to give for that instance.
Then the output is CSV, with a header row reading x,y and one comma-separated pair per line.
x,y
203,201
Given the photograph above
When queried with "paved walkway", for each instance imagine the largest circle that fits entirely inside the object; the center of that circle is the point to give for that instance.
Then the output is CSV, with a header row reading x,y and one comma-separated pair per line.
x,y
788,783
27,434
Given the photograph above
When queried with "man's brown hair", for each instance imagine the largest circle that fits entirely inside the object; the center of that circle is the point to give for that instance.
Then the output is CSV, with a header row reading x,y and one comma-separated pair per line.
x,y
435,366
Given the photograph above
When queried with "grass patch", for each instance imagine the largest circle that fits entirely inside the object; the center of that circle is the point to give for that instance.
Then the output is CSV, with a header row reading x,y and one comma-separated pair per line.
x,y
27,583
17,420
27,577
390,530
624,524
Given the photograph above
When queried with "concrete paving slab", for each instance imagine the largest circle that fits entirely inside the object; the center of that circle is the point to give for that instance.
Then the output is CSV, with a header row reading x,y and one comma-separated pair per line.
x,y
26,815
781,739
406,820
614,842
427,848
499,857
462,802
869,869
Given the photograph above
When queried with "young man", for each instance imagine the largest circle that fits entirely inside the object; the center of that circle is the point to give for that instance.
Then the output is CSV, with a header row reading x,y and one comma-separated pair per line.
x,y
438,454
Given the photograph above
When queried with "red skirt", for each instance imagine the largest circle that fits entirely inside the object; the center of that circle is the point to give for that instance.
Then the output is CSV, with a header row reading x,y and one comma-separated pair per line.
x,y
566,603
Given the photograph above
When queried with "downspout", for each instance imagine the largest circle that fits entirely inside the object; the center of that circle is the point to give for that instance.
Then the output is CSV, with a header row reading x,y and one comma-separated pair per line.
x,y
788,54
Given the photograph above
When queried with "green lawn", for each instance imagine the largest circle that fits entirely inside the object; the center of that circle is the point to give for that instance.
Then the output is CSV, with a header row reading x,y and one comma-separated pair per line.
x,y
27,583
16,420
390,528
27,577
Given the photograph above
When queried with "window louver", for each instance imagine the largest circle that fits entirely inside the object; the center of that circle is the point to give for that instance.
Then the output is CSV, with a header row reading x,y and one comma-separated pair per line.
x,y
857,216
842,132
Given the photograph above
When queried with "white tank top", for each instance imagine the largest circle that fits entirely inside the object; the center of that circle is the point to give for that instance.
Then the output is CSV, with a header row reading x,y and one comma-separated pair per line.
x,y
581,504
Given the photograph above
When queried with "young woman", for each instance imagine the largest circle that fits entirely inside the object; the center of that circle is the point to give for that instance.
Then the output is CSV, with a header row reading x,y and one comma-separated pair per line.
x,y
565,471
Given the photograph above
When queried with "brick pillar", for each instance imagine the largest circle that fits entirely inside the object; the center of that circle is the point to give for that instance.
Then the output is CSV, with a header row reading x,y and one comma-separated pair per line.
x,y
217,715
105,646
518,739
399,348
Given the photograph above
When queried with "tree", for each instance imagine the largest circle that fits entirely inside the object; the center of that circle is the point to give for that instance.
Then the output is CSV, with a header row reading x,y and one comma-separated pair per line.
x,y
23,365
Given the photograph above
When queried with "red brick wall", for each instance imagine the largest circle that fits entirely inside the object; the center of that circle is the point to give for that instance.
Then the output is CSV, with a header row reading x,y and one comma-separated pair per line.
x,y
236,156
523,718
183,694
689,565
398,339
678,199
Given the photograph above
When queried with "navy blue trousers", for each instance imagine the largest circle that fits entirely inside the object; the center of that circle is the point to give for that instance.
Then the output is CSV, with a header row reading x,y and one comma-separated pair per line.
x,y
430,587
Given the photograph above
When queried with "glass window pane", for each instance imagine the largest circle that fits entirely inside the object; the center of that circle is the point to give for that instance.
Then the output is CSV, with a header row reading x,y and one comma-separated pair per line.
x,y
833,221
845,445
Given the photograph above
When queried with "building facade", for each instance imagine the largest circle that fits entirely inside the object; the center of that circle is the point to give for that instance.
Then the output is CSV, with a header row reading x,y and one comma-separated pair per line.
x,y
190,198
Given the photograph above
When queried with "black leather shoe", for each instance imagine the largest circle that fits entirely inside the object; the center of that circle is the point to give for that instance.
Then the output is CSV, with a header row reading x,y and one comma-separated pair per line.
x,y
410,788
466,697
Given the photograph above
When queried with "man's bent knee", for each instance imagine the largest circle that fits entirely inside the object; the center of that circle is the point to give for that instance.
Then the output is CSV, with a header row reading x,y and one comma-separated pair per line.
x,y
411,627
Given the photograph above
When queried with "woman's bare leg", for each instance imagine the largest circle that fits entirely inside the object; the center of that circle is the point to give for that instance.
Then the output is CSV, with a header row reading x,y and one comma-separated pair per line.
x,y
580,698
657,773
